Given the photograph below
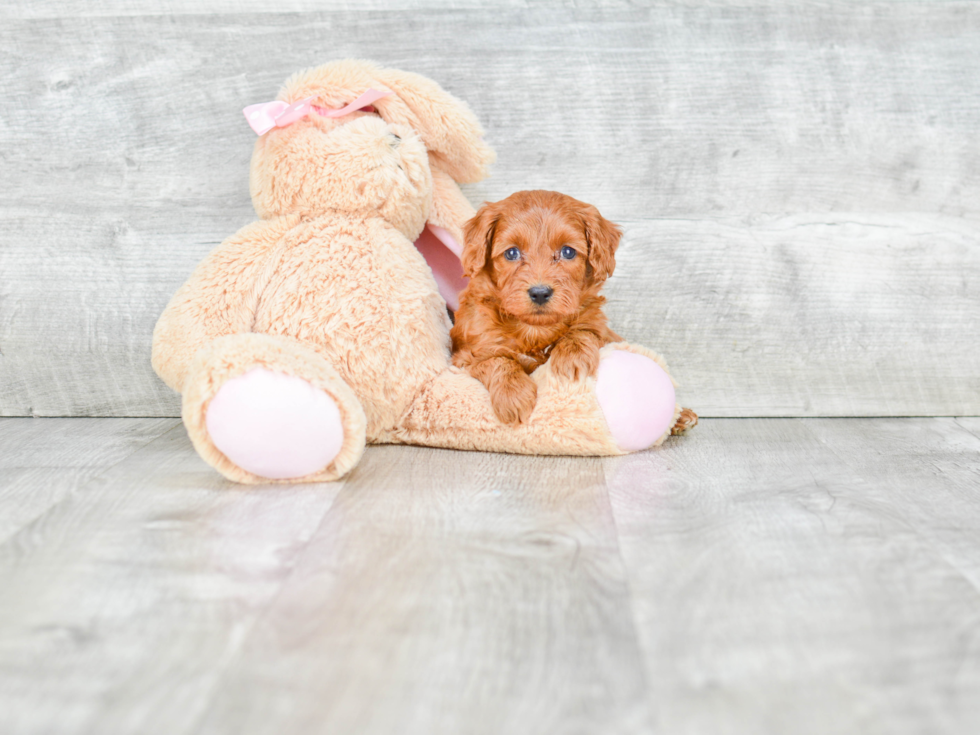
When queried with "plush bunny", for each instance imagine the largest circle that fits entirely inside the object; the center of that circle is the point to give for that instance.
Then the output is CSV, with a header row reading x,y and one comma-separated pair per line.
x,y
323,326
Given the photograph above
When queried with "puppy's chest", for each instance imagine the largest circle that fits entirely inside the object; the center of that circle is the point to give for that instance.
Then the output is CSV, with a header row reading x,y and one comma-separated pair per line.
x,y
534,347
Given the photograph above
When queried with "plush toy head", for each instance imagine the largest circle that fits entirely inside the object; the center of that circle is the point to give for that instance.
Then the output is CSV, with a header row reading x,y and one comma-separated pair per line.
x,y
377,159
363,165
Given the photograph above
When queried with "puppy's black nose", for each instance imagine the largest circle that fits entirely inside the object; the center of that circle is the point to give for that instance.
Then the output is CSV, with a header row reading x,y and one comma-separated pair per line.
x,y
540,294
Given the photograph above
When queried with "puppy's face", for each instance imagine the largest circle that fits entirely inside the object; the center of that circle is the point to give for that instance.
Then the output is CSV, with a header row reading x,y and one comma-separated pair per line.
x,y
542,251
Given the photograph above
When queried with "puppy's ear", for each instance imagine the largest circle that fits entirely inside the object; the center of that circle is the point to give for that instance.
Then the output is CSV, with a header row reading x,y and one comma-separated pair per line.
x,y
603,239
478,234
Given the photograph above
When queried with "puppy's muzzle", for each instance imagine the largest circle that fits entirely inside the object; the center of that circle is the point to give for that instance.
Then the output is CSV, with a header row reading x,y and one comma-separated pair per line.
x,y
540,294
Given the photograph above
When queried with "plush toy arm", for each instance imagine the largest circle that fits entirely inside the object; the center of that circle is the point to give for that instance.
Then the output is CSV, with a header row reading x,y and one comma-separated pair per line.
x,y
219,298
630,405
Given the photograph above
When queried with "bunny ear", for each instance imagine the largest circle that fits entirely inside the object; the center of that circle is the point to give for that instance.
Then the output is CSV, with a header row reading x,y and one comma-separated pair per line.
x,y
446,124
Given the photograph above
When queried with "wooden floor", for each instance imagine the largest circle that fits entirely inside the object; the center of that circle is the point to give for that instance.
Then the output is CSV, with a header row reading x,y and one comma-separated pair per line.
x,y
759,576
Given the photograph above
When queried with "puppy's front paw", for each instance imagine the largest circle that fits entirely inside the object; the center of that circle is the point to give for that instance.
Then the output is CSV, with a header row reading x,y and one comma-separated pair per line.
x,y
574,361
513,399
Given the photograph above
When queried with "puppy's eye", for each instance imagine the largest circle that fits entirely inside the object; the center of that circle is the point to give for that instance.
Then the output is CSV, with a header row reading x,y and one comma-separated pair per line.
x,y
512,254
568,252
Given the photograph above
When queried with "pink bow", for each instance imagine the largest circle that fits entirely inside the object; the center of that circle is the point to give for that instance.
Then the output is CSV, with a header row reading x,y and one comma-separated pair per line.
x,y
265,116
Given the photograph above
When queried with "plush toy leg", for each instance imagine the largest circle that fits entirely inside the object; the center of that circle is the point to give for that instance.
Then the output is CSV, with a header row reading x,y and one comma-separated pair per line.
x,y
630,405
636,396
263,408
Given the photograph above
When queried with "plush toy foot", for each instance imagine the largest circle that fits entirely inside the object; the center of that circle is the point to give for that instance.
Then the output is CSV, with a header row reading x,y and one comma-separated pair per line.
x,y
275,425
262,408
637,398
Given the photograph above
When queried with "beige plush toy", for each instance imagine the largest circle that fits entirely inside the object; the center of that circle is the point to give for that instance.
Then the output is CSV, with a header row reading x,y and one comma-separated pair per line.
x,y
323,325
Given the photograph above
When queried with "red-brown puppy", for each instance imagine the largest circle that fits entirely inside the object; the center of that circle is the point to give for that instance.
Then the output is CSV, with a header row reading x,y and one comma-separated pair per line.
x,y
536,261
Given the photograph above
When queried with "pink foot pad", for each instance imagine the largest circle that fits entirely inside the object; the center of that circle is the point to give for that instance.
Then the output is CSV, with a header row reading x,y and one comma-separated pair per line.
x,y
637,398
275,425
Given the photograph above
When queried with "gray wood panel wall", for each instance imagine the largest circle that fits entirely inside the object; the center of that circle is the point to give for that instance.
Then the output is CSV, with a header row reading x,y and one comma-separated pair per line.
x,y
799,182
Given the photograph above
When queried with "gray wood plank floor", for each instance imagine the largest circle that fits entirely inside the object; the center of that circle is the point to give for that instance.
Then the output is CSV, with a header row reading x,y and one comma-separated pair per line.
x,y
758,576
42,462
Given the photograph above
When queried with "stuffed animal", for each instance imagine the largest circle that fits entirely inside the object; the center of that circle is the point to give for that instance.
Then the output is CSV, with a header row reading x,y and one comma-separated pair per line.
x,y
323,326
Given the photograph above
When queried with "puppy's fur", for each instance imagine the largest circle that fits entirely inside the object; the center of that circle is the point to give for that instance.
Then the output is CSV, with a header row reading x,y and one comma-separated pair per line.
x,y
502,332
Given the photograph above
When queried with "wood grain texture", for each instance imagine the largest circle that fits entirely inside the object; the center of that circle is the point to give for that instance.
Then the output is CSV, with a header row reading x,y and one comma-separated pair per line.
x,y
122,605
803,315
43,461
807,576
101,8
449,592
971,424
757,576
123,133
444,592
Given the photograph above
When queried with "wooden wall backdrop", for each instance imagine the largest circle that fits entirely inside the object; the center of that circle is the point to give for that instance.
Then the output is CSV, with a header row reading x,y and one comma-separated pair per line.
x,y
799,182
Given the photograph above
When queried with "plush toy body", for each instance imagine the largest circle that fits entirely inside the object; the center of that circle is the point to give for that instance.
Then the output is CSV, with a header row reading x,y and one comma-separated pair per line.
x,y
323,326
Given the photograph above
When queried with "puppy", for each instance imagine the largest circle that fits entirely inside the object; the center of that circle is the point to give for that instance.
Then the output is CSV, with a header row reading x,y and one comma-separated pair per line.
x,y
536,261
